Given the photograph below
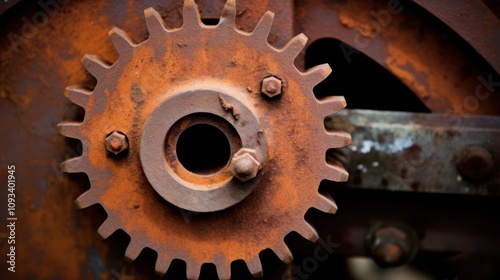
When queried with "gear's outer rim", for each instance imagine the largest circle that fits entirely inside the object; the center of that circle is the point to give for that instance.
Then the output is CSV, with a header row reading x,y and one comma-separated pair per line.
x,y
293,124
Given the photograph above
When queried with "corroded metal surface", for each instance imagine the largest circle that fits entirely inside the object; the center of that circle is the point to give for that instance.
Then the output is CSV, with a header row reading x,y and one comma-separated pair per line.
x,y
473,21
45,58
421,152
414,46
212,70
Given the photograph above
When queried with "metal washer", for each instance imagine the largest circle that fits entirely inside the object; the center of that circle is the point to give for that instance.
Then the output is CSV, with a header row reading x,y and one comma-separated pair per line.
x,y
187,194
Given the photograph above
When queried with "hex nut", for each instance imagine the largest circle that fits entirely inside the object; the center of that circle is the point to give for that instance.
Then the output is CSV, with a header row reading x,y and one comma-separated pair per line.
x,y
271,86
244,164
116,142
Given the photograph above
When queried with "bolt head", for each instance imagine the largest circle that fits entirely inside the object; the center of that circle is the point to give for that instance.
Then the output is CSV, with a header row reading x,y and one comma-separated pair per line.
x,y
271,86
475,163
244,164
116,142
391,244
390,253
388,247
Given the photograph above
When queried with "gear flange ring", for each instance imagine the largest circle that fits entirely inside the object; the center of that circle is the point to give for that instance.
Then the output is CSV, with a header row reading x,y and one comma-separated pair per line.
x,y
176,81
185,189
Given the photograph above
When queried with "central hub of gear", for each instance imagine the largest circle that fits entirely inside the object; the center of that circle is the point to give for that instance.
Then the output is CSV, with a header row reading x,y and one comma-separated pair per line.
x,y
137,139
160,138
201,148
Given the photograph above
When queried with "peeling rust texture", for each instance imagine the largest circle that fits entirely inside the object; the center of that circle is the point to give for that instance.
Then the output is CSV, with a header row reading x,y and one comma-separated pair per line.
x,y
229,107
416,152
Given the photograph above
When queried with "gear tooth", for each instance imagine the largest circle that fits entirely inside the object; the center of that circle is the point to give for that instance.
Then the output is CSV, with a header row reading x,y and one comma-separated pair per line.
x,y
85,200
283,252
191,14
133,250
162,263
69,129
78,96
223,271
229,13
338,139
325,203
307,231
122,42
294,46
317,74
73,165
264,26
106,229
332,104
255,267
154,22
335,172
95,65
192,271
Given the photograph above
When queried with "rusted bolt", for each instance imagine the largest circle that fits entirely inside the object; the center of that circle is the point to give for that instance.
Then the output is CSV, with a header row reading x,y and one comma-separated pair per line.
x,y
475,163
391,244
116,142
389,252
244,164
271,86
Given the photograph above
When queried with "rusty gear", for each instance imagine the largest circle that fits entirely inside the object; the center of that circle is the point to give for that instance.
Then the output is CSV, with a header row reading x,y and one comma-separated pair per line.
x,y
194,76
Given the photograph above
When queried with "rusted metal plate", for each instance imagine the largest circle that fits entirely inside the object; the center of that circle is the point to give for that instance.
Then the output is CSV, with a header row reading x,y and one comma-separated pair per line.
x,y
421,152
436,64
473,21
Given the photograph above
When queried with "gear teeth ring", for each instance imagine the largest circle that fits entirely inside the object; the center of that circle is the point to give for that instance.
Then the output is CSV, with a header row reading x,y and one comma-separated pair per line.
x,y
125,97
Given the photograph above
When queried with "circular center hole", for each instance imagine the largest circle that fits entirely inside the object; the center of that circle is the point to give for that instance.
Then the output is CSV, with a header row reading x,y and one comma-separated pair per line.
x,y
203,149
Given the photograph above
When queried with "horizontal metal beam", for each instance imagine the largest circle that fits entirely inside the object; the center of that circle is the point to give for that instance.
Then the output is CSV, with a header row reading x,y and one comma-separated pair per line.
x,y
438,153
